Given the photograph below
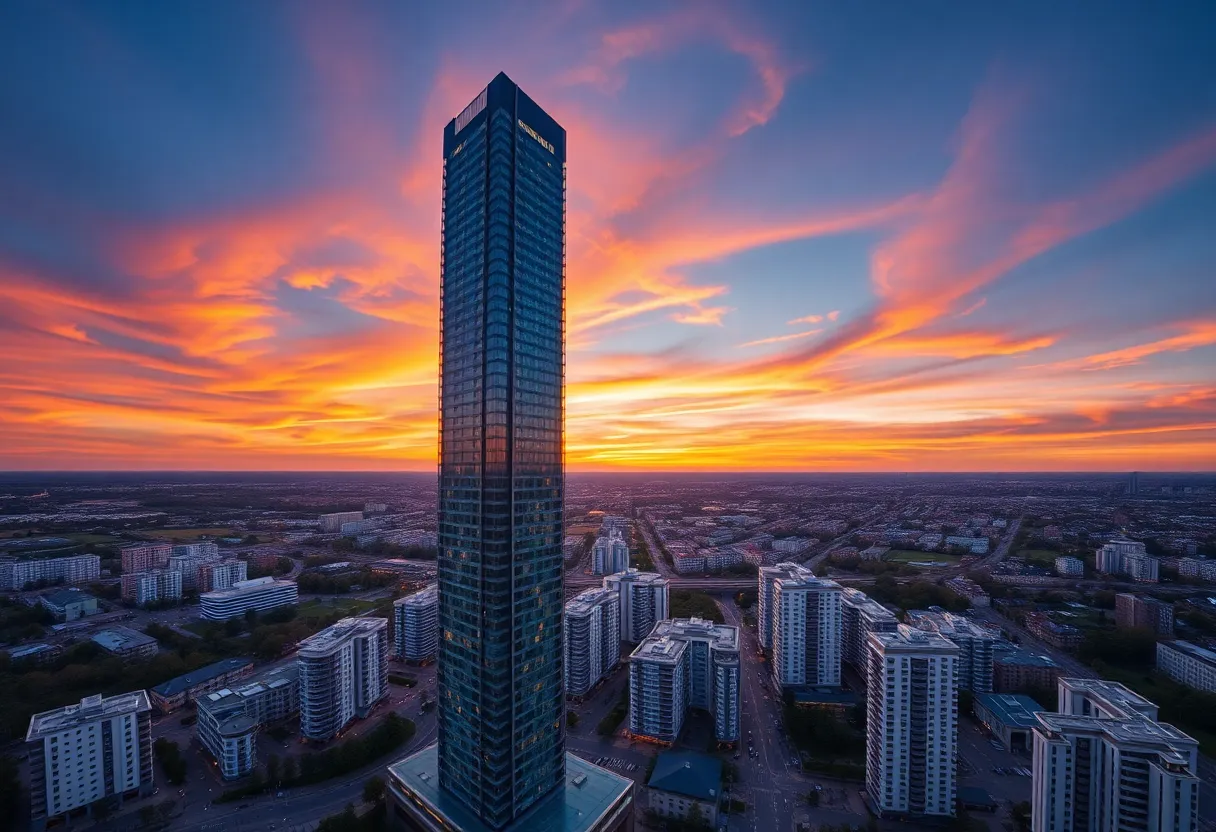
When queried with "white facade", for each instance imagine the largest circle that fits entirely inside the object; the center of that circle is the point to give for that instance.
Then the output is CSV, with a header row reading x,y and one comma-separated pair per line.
x,y
189,558
1112,558
76,569
912,723
82,753
1143,568
791,545
644,598
343,673
975,646
1104,764
1195,568
610,554
767,579
806,636
159,585
258,594
226,574
685,663
332,523
592,629
1187,664
416,625
1067,567
861,615
229,719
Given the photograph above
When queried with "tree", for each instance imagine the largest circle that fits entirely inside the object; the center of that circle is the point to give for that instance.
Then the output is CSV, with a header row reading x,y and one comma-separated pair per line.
x,y
695,819
147,815
251,618
272,769
373,790
289,769
812,798
571,719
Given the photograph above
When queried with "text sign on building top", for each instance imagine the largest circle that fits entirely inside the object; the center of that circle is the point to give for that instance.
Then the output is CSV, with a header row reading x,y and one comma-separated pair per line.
x,y
479,104
536,136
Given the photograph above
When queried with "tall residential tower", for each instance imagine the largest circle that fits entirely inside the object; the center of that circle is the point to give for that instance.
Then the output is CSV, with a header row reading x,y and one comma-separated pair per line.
x,y
501,753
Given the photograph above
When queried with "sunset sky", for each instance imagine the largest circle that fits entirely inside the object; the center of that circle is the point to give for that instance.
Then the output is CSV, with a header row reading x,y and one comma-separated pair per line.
x,y
801,236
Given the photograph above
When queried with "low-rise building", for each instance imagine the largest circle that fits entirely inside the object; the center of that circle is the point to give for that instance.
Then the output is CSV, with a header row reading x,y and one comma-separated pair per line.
x,y
81,754
970,590
1195,568
1017,671
176,693
69,604
259,594
684,784
125,642
29,654
1063,636
1188,664
1009,716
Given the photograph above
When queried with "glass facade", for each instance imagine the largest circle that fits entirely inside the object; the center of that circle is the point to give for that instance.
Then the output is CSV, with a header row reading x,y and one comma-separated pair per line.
x,y
501,720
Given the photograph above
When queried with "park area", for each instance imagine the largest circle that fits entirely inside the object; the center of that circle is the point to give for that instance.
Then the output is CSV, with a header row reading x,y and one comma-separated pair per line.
x,y
913,556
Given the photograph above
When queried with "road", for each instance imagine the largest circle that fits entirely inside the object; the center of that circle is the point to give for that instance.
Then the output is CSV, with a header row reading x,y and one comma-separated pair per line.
x,y
1002,548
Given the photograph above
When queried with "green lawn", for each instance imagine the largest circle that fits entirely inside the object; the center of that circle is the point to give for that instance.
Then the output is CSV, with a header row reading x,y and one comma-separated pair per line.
x,y
188,534
1043,556
911,555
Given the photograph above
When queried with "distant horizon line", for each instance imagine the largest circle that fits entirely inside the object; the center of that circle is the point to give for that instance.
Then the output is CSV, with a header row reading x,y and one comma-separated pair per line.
x,y
640,471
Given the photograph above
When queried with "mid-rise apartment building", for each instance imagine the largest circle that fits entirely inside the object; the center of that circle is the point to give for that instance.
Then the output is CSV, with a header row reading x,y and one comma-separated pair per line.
x,y
767,580
259,594
224,574
975,644
416,625
592,628
1104,764
1137,611
80,754
912,723
644,599
861,615
332,523
1188,664
229,719
343,673
74,569
684,663
153,587
610,554
1204,570
1067,567
144,557
806,632
189,560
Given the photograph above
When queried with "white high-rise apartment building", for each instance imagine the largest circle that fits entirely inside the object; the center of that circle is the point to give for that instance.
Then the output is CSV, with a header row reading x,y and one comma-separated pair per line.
x,y
343,673
912,723
610,554
416,625
806,632
152,587
1104,764
685,663
767,579
225,574
1126,557
83,753
332,523
190,558
75,569
975,646
861,615
592,627
644,600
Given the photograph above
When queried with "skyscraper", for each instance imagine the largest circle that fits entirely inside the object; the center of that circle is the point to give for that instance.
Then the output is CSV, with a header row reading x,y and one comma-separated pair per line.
x,y
500,762
501,457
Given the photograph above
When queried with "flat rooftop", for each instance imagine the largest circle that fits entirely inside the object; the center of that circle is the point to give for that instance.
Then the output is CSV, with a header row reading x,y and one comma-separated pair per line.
x,y
90,709
1024,658
117,637
907,639
589,794
1013,709
246,588
272,679
588,600
335,634
203,674
423,597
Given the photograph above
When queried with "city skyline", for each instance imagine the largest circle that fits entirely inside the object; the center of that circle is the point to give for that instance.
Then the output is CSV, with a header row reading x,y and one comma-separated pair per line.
x,y
799,240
